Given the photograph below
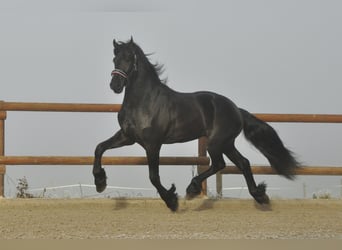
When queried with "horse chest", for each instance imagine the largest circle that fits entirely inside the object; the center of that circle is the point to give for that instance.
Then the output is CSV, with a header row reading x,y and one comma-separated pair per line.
x,y
133,123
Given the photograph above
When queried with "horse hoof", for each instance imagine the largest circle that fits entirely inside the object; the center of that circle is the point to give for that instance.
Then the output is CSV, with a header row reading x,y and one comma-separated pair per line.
x,y
193,190
261,196
190,196
173,204
100,184
100,181
101,188
172,199
263,200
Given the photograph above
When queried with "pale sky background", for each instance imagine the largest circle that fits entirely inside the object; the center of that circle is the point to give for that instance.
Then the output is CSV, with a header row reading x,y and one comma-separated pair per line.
x,y
267,56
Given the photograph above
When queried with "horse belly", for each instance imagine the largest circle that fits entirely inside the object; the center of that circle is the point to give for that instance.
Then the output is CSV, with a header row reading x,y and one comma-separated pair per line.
x,y
186,129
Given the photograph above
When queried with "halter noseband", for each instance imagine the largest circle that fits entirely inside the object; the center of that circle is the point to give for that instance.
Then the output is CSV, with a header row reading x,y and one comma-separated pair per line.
x,y
120,73
123,73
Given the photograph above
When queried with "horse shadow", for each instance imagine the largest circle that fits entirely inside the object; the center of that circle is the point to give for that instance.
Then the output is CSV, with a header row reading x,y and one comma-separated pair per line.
x,y
208,204
263,207
120,203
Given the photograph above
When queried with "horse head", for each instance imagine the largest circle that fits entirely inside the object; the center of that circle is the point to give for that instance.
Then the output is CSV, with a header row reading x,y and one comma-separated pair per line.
x,y
125,62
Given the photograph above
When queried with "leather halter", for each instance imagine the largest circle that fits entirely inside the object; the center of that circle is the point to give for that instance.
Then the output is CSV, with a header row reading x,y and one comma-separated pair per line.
x,y
123,73
120,73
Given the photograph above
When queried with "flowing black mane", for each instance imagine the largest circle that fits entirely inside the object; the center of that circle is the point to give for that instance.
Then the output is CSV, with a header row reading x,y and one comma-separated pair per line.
x,y
155,69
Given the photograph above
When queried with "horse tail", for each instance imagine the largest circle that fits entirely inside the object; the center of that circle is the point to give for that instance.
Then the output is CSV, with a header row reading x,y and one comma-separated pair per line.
x,y
267,141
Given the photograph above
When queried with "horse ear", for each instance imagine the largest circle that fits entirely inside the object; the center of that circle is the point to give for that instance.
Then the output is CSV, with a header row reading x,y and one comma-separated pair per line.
x,y
131,39
115,44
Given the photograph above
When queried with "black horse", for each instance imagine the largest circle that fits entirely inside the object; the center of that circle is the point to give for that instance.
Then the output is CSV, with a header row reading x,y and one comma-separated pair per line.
x,y
153,114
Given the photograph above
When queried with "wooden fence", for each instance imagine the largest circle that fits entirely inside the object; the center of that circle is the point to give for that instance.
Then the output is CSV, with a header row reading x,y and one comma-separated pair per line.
x,y
201,161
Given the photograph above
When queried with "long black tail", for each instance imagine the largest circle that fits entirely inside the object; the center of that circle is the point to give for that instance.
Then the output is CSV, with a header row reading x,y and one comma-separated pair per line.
x,y
267,141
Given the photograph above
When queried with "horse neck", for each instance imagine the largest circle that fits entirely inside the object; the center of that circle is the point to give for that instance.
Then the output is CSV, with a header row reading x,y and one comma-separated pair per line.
x,y
143,87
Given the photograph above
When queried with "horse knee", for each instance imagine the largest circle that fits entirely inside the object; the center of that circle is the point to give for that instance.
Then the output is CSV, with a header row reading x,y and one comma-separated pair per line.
x,y
99,150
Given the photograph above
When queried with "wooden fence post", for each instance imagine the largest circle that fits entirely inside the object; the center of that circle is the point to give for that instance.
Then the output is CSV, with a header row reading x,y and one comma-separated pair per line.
x,y
202,151
219,193
2,149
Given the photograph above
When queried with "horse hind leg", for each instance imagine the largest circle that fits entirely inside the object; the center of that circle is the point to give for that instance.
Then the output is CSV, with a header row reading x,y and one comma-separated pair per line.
x,y
257,191
195,187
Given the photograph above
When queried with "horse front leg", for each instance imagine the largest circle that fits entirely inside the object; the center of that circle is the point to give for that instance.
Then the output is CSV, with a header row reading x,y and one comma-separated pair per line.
x,y
169,196
116,141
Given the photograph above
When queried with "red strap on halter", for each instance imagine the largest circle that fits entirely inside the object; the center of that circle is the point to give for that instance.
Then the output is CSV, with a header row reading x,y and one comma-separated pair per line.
x,y
119,72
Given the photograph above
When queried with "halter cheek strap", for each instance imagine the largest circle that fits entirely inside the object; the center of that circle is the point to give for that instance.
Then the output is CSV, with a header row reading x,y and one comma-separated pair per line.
x,y
123,73
120,73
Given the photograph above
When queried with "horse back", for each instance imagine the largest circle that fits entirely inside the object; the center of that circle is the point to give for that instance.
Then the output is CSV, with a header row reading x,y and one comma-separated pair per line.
x,y
220,114
199,114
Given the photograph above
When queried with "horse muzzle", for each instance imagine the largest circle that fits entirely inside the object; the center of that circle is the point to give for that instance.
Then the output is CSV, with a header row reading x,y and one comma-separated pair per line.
x,y
119,78
117,84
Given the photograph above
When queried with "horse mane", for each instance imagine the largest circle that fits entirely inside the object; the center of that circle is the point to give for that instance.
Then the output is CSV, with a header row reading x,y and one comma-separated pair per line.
x,y
156,69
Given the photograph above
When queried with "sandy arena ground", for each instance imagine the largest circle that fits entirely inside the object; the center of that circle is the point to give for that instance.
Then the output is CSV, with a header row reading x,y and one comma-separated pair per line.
x,y
150,219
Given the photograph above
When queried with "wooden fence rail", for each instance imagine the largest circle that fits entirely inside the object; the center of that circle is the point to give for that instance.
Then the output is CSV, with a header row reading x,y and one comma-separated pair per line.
x,y
88,107
59,107
202,161
304,170
86,160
